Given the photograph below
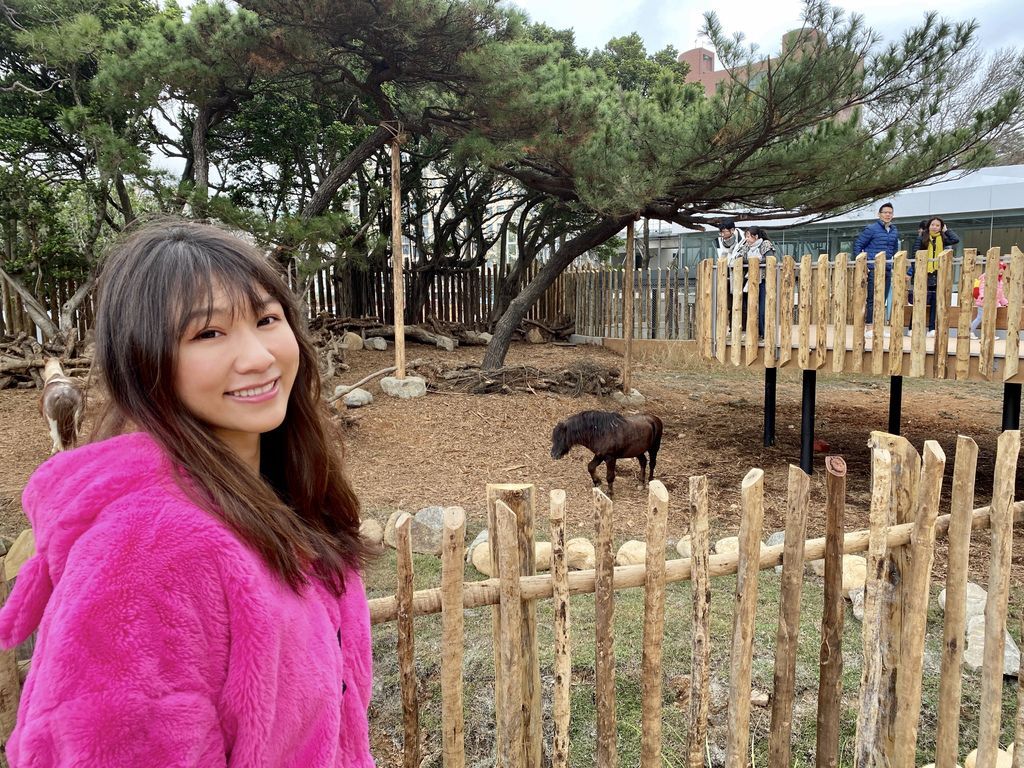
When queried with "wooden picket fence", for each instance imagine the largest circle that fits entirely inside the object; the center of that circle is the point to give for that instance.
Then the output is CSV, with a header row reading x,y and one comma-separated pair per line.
x,y
904,525
817,310
663,302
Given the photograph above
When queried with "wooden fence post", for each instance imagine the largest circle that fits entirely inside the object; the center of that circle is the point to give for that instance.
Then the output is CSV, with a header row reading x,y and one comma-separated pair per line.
x,y
742,653
947,733
604,645
915,611
700,657
519,497
406,649
830,676
452,578
654,624
511,703
563,648
869,748
1001,521
788,635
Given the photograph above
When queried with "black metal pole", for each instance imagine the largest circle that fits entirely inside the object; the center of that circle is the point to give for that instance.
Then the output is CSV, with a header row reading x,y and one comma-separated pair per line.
x,y
1011,406
769,406
895,403
807,422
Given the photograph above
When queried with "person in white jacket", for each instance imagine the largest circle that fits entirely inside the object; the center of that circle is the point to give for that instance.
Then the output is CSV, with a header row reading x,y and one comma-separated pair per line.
x,y
730,238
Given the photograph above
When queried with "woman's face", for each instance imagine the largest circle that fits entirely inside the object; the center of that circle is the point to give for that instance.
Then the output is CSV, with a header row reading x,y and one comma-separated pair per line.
x,y
934,227
235,373
750,237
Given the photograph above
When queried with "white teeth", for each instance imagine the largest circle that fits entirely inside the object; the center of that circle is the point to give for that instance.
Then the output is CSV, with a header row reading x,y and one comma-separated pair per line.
x,y
253,392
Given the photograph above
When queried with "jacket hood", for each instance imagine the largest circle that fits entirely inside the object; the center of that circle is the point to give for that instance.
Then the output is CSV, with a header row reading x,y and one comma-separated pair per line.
x,y
63,500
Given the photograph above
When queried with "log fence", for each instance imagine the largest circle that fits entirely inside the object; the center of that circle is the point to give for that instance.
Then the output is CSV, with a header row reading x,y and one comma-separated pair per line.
x,y
904,526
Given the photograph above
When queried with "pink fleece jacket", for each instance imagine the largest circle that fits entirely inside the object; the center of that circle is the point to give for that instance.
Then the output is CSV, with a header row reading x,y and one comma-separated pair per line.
x,y
164,641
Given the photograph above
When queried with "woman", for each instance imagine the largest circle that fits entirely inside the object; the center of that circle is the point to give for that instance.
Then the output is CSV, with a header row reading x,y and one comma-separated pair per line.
x,y
756,243
196,587
936,239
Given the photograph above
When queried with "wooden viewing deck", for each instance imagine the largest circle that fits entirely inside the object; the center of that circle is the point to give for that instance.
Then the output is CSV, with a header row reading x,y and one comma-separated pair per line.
x,y
829,299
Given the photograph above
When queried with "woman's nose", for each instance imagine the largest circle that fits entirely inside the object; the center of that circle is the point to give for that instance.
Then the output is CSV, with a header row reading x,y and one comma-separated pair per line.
x,y
254,354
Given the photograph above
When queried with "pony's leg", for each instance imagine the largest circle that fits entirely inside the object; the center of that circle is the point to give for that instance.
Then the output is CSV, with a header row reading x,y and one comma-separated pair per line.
x,y
643,468
610,464
592,468
654,460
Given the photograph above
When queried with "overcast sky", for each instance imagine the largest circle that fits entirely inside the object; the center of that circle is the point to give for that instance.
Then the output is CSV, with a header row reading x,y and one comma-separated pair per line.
x,y
664,22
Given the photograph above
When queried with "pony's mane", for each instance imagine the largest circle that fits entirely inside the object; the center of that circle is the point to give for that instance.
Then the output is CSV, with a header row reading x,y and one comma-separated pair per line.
x,y
591,422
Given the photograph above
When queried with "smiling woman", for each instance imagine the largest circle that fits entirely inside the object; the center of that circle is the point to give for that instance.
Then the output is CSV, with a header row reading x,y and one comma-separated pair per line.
x,y
196,587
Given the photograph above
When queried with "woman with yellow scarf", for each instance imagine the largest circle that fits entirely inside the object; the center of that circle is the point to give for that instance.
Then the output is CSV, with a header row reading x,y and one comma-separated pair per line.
x,y
934,237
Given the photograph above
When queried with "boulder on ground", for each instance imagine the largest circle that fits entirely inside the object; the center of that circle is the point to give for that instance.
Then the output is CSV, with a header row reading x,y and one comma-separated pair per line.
x,y
580,555
631,553
404,389
357,398
857,599
21,550
480,556
974,653
779,537
351,341
481,538
534,336
855,571
375,343
634,397
976,598
542,556
728,545
371,530
426,533
1003,760
684,547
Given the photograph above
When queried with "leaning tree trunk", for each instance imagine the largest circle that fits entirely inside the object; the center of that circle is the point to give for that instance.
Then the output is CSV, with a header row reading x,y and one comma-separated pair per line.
x,y
599,233
321,198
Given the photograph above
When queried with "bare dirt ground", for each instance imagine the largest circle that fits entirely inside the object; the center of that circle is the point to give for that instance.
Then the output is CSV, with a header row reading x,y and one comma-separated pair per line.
x,y
444,448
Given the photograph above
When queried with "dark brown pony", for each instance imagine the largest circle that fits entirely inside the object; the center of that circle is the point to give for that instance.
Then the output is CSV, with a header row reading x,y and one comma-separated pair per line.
x,y
610,436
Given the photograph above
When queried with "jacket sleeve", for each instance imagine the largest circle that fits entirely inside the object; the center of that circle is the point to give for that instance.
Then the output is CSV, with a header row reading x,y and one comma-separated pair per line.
x,y
861,242
949,237
127,658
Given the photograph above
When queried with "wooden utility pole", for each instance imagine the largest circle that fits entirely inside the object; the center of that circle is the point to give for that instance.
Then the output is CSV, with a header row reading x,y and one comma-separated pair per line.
x,y
627,312
396,252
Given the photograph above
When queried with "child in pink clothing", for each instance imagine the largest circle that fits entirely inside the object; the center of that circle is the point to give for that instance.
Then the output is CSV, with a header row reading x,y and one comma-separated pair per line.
x,y
979,298
196,585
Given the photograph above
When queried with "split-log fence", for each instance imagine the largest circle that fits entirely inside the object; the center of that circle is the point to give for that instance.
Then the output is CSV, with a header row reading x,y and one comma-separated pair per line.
x,y
814,315
899,544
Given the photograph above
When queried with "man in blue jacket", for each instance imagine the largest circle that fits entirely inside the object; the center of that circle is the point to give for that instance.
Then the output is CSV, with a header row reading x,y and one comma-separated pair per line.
x,y
876,237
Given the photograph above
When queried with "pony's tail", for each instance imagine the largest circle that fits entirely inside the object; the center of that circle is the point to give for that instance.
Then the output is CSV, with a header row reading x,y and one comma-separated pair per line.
x,y
658,429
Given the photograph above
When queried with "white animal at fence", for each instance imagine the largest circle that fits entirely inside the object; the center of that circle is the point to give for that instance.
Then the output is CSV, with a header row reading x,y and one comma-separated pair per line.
x,y
62,404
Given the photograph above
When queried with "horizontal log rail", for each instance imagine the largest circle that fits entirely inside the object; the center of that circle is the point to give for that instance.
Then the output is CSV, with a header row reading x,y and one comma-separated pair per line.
x,y
487,592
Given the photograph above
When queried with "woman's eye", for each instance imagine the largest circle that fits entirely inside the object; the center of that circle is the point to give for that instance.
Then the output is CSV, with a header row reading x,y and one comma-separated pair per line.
x,y
208,333
267,320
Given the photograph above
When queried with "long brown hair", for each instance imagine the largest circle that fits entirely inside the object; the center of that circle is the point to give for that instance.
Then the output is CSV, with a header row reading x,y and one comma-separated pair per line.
x,y
150,284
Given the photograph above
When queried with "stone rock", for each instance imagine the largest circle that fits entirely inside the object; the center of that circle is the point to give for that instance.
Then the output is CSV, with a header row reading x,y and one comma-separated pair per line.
x,y
21,550
1003,760
481,538
480,556
351,341
5,545
580,555
481,559
976,599
371,530
427,529
779,537
357,398
633,398
631,553
534,336
684,547
446,343
855,571
404,389
486,337
857,599
759,698
342,389
974,653
728,545
542,556
375,343
475,337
